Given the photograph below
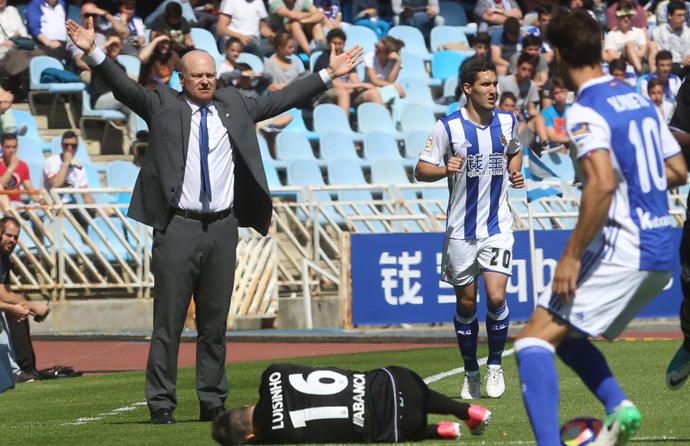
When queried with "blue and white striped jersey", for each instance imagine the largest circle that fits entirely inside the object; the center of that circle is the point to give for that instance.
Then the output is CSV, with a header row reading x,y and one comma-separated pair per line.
x,y
610,115
478,205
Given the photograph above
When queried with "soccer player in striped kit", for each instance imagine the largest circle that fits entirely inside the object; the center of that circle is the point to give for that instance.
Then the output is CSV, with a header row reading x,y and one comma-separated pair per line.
x,y
620,254
477,150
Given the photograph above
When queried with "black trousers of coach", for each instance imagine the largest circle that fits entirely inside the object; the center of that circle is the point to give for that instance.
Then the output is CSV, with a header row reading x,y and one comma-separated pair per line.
x,y
191,258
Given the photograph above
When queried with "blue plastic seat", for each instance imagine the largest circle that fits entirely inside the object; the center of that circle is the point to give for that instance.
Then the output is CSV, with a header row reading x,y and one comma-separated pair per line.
x,y
362,36
446,64
272,178
419,93
300,65
174,81
313,58
450,85
72,242
560,164
415,140
452,107
390,171
254,61
121,174
30,149
331,118
413,38
348,172
449,34
204,40
294,146
36,87
378,145
306,172
335,145
453,13
23,118
94,178
132,65
36,173
413,67
89,113
113,241
417,117
297,125
372,116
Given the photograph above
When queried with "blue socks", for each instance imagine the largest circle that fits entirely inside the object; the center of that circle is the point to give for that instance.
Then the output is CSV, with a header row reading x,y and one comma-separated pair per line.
x,y
539,383
497,332
466,331
589,364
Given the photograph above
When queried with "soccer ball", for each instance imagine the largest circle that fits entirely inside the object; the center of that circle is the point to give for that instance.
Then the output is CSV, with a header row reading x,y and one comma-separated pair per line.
x,y
580,431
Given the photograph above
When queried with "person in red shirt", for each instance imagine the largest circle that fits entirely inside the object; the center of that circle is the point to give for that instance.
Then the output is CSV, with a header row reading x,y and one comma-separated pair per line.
x,y
14,173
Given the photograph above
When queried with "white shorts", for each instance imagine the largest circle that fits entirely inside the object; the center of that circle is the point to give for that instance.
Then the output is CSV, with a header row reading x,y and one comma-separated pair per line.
x,y
608,296
464,260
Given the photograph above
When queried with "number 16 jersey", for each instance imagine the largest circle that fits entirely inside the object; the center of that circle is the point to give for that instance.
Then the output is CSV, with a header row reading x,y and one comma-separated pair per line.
x,y
299,404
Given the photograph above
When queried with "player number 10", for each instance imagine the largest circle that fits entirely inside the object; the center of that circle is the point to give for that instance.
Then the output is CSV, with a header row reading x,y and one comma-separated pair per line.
x,y
647,147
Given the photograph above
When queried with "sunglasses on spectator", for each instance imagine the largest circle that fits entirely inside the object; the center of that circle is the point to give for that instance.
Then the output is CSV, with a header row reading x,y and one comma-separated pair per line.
x,y
69,144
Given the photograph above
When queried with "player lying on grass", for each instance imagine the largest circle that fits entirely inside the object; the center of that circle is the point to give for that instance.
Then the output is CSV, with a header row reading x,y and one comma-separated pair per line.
x,y
300,404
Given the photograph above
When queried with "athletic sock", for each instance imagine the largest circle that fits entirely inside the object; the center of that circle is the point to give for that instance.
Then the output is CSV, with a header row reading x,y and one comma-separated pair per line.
x,y
497,323
590,365
685,323
466,331
539,383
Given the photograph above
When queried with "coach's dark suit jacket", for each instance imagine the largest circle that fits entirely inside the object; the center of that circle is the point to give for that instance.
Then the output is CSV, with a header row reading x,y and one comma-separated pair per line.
x,y
169,119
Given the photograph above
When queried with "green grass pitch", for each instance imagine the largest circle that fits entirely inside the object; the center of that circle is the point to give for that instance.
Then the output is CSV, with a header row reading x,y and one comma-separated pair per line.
x,y
45,413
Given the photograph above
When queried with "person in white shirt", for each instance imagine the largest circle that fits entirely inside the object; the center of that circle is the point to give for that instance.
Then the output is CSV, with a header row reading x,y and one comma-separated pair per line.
x,y
627,41
674,36
14,57
246,21
382,69
46,22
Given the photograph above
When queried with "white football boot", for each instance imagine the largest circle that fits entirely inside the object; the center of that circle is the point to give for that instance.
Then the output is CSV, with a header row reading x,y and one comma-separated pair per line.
x,y
495,384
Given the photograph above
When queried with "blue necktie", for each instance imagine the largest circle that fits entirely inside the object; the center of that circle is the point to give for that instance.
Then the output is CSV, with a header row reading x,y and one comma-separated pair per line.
x,y
203,156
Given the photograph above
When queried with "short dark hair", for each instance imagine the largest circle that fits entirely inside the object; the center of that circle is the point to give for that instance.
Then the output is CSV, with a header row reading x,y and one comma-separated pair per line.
x,y
7,137
469,71
557,82
544,10
230,428
531,40
511,26
336,33
655,82
232,40
8,219
525,58
673,7
174,10
129,3
618,64
482,38
663,55
577,36
241,66
507,95
68,134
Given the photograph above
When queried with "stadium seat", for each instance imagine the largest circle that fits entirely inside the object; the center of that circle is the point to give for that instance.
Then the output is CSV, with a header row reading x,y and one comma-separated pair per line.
x,y
312,59
348,172
362,36
446,64
94,178
23,118
449,34
297,125
272,178
55,89
121,174
36,173
254,61
453,13
417,117
266,156
306,172
30,149
294,146
414,40
390,171
560,164
418,93
174,81
204,40
300,65
335,145
132,65
379,145
450,85
372,116
112,239
69,241
452,107
413,67
82,154
330,118
105,116
415,140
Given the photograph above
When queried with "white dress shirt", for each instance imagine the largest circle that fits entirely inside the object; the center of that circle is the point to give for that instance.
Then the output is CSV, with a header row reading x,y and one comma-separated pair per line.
x,y
53,22
221,164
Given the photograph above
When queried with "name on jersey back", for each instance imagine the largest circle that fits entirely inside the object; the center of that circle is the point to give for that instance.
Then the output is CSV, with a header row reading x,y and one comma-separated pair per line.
x,y
627,102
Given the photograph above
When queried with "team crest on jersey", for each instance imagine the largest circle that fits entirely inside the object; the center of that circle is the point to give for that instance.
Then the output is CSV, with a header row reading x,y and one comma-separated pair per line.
x,y
503,140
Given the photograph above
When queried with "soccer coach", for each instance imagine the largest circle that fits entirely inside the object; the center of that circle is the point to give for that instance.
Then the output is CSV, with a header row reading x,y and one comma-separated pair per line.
x,y
202,176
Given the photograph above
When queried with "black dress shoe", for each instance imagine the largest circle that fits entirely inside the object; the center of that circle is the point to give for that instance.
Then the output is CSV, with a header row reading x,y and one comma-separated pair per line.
x,y
211,414
162,416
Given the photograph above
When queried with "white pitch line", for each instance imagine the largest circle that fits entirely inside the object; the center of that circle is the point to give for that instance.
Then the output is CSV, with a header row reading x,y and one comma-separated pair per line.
x,y
119,410
440,376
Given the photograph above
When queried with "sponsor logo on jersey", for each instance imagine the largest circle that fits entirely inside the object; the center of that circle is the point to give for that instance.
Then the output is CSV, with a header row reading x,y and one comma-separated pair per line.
x,y
359,384
275,386
428,145
648,221
580,132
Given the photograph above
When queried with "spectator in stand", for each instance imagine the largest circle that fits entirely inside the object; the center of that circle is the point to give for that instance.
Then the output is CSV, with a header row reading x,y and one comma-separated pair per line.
x,y
206,12
233,48
523,87
282,67
14,58
332,13
551,122
7,122
422,14
246,21
531,45
301,19
382,69
628,42
482,50
366,13
250,83
671,82
639,15
88,10
14,173
504,44
543,18
655,92
46,22
492,14
347,90
158,61
623,71
661,11
674,36
135,36
596,9
173,24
